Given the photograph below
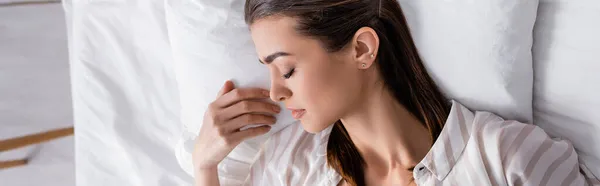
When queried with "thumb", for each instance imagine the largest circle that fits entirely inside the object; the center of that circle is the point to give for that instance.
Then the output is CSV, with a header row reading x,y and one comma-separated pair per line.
x,y
228,86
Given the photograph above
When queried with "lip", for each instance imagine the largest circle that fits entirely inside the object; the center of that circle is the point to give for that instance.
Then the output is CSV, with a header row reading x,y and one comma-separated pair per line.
x,y
298,113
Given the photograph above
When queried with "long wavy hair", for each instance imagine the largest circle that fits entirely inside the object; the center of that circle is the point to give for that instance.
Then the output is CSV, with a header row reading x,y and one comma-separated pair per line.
x,y
334,23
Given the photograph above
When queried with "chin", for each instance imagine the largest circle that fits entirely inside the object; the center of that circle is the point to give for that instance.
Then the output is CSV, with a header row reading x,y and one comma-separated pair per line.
x,y
314,127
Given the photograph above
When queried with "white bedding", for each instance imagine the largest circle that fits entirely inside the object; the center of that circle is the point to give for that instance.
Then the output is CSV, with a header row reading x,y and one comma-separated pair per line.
x,y
124,95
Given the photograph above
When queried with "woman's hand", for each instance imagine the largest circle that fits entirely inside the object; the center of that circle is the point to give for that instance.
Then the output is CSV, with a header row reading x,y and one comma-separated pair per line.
x,y
232,110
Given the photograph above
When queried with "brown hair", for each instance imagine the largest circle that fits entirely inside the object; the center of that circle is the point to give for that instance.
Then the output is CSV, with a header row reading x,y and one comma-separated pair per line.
x,y
334,23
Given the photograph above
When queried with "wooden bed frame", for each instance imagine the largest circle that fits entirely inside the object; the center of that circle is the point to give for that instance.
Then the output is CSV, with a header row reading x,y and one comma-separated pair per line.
x,y
18,142
14,143
39,2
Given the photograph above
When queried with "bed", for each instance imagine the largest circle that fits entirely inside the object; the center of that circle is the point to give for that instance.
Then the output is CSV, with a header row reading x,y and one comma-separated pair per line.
x,y
128,98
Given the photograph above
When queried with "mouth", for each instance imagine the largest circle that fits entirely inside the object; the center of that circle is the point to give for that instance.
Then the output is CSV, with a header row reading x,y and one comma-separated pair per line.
x,y
298,113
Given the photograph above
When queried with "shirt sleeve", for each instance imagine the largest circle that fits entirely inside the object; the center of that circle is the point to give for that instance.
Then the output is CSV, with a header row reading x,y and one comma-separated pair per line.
x,y
530,157
234,169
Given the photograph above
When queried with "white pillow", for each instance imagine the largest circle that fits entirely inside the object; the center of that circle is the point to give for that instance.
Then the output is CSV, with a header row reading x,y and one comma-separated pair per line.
x,y
479,52
125,98
211,44
567,74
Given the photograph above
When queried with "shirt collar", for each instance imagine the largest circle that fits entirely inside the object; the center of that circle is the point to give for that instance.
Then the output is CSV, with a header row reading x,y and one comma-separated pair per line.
x,y
450,144
324,136
442,156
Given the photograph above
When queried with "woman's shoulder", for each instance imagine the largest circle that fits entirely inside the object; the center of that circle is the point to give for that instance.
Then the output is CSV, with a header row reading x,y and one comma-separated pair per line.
x,y
520,153
487,126
500,139
511,136
525,153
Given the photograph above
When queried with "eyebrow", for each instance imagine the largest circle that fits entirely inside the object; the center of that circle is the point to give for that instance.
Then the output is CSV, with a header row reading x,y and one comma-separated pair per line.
x,y
272,57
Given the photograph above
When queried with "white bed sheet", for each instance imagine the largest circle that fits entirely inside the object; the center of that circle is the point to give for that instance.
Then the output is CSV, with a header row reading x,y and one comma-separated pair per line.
x,y
125,97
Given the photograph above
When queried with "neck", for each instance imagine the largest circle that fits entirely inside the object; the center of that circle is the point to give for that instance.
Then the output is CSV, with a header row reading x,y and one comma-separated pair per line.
x,y
385,133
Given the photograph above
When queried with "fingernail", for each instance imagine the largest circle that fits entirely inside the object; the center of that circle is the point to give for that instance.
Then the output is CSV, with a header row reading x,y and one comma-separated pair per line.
x,y
266,93
276,108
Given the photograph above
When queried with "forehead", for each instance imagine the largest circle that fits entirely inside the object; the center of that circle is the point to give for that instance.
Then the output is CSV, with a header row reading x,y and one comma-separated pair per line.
x,y
277,34
273,26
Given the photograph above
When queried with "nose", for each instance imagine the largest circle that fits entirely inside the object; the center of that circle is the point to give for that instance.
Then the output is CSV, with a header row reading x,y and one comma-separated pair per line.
x,y
279,92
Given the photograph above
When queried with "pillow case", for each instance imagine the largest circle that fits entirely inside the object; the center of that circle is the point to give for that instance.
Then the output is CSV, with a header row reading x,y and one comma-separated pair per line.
x,y
478,52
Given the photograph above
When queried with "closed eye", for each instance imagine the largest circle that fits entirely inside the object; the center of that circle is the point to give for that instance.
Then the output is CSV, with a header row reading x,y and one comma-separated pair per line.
x,y
289,74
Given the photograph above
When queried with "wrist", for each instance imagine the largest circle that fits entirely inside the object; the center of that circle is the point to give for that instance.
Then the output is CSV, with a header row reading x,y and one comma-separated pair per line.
x,y
206,169
208,176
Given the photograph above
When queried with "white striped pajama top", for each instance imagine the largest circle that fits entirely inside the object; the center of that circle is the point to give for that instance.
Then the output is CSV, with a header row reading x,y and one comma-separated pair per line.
x,y
474,148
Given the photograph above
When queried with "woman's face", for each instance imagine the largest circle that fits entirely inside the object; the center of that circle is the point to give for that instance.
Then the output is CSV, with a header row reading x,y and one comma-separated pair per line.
x,y
318,86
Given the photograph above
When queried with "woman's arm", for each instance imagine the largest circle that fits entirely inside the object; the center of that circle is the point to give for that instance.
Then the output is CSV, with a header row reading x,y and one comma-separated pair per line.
x,y
207,177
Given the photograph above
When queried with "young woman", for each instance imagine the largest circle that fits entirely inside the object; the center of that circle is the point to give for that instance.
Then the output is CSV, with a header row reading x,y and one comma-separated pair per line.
x,y
370,114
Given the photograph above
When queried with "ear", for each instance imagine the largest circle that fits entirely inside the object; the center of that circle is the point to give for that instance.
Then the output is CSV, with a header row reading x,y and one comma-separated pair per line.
x,y
366,45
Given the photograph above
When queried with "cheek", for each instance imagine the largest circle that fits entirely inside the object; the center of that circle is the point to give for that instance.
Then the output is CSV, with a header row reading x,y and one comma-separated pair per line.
x,y
325,92
323,85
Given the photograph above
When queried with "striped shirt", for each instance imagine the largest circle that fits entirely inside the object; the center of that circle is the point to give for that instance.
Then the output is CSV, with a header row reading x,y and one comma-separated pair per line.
x,y
474,148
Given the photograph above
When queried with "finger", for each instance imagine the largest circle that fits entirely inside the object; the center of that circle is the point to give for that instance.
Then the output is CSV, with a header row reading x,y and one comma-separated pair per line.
x,y
250,133
250,106
227,87
249,119
240,94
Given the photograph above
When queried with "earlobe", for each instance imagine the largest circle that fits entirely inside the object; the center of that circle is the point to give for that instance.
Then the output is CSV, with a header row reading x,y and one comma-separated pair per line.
x,y
365,65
